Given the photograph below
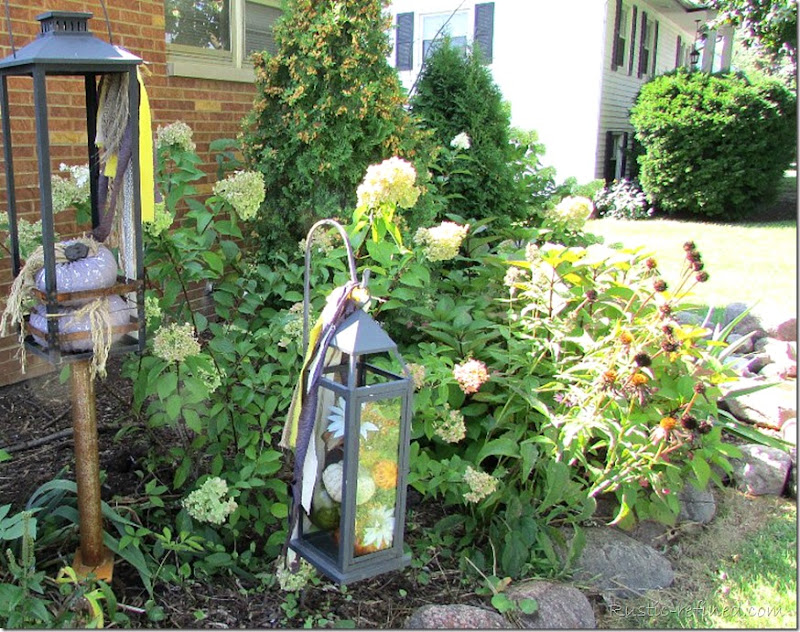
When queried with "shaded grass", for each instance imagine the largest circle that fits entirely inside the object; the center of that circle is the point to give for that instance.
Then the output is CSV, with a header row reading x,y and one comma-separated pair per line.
x,y
751,263
738,572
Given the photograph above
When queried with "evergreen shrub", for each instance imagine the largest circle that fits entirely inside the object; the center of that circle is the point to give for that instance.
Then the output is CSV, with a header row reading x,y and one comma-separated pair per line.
x,y
714,145
456,94
327,105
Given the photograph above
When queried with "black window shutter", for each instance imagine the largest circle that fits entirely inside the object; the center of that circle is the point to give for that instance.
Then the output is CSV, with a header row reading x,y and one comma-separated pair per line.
x,y
624,157
678,46
642,50
610,164
633,40
404,50
484,29
615,40
655,47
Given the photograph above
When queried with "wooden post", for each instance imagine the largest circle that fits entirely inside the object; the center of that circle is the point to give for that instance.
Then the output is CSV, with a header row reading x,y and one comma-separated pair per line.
x,y
92,557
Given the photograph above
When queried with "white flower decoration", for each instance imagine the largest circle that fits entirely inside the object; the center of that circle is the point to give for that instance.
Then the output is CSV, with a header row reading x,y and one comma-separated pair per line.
x,y
336,422
379,530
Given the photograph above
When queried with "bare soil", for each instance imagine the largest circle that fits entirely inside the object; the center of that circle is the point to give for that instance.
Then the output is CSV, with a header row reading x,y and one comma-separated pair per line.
x,y
35,427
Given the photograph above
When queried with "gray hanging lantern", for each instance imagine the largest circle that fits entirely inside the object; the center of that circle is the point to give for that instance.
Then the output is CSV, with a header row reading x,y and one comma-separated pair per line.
x,y
66,47
350,481
77,281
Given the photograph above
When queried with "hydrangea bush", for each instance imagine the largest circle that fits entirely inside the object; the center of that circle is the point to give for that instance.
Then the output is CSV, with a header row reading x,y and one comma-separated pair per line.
x,y
546,375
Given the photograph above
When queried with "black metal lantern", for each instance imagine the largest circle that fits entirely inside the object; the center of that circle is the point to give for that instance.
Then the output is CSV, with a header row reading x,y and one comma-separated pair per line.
x,y
354,497
694,57
65,47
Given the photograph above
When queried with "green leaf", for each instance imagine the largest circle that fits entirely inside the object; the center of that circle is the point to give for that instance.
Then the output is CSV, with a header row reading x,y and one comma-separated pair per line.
x,y
701,470
166,385
279,510
502,603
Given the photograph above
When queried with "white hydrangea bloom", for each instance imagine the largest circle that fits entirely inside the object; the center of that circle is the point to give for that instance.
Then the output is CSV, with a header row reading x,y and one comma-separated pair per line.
x,y
390,182
209,503
461,141
244,191
178,134
175,343
441,243
571,213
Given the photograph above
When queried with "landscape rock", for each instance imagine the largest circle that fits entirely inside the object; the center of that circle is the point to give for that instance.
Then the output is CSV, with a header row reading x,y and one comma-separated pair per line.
x,y
746,346
789,431
616,564
652,533
785,330
749,323
696,505
791,487
770,406
454,617
761,470
560,606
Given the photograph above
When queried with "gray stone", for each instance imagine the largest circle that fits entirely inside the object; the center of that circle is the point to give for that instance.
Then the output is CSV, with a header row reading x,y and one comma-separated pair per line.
x,y
747,344
747,324
785,330
454,617
614,563
561,606
769,406
761,470
789,431
697,505
791,487
652,533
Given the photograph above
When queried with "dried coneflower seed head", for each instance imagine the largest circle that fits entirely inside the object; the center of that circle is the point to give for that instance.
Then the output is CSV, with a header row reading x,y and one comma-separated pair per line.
x,y
697,266
702,276
699,388
704,427
689,245
651,263
668,330
670,346
642,359
665,310
591,295
660,285
689,422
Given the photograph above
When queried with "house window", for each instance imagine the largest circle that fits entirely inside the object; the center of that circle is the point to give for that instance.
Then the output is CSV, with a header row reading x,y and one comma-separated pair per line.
x,y
620,33
634,14
213,39
436,27
645,46
616,155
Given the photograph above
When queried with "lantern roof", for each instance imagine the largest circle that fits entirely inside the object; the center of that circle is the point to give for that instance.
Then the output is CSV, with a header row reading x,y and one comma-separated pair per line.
x,y
66,46
360,334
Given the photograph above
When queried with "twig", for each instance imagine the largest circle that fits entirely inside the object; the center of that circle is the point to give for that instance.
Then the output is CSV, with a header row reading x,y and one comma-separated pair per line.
x,y
33,443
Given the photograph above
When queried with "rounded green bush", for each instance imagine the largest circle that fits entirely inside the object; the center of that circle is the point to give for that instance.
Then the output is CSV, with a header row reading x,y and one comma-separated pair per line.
x,y
715,145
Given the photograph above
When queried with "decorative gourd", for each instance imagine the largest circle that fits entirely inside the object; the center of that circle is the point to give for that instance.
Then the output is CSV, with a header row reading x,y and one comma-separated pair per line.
x,y
332,479
384,473
119,314
82,271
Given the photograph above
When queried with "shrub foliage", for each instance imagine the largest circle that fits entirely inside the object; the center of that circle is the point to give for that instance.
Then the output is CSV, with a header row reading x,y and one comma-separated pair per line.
x,y
714,145
328,104
456,94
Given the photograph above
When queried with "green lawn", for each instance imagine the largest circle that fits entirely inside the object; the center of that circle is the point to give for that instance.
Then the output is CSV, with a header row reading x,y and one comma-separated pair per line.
x,y
749,263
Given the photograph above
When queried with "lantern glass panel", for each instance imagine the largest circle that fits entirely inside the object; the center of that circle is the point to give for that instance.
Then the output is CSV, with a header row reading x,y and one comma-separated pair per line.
x,y
376,488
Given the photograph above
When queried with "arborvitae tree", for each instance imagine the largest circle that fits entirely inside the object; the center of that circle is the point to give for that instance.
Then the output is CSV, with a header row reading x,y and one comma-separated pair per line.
x,y
456,93
328,105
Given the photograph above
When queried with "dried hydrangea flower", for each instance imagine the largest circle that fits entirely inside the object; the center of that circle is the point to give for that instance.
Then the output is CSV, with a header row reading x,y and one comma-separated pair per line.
x,y
452,428
441,243
175,343
290,581
177,134
210,503
417,372
244,191
152,308
480,484
471,375
390,182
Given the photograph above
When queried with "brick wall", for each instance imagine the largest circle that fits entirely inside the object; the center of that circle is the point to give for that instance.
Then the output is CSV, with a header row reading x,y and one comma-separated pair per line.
x,y
213,109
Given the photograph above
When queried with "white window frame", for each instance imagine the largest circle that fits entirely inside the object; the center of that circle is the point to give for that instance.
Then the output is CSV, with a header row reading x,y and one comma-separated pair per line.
x,y
470,28
624,36
233,65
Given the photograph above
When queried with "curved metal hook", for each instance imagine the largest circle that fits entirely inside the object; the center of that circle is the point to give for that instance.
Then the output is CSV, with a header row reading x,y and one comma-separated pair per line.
x,y
351,262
